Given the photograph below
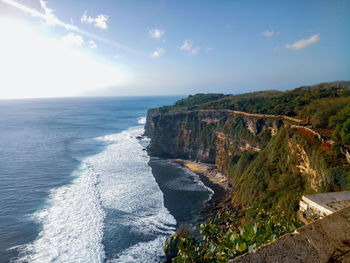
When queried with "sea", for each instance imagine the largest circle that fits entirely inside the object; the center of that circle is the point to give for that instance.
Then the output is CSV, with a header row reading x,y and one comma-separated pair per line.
x,y
77,185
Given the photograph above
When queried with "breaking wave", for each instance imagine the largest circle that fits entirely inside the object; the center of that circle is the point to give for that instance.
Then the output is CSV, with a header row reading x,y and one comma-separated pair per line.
x,y
78,216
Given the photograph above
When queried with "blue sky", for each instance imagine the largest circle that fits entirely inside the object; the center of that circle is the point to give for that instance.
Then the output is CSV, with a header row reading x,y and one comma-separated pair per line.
x,y
127,47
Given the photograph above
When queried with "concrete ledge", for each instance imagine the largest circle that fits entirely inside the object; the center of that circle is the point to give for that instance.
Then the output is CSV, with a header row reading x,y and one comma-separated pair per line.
x,y
319,205
325,240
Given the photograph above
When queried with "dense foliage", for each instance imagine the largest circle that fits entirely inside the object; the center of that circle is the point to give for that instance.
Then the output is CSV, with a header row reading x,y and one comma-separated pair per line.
x,y
223,238
341,122
274,102
272,178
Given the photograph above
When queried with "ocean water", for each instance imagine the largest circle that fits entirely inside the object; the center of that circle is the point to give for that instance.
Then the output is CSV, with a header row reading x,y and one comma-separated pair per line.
x,y
76,184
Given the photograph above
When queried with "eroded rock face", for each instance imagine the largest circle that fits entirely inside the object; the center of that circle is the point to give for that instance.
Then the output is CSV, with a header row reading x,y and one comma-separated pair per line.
x,y
179,135
254,126
207,136
315,176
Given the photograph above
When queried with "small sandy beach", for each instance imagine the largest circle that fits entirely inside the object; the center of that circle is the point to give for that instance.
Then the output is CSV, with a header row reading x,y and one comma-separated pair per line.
x,y
207,170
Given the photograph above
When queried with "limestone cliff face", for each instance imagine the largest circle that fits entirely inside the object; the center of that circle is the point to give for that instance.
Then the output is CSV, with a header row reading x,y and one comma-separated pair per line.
x,y
173,136
207,136
305,166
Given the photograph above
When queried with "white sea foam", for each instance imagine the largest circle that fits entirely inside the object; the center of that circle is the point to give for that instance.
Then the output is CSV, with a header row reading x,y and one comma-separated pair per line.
x,y
142,252
72,223
141,120
118,178
181,184
129,186
198,181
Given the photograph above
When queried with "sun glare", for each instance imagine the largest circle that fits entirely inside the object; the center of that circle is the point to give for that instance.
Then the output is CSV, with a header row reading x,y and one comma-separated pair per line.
x,y
34,65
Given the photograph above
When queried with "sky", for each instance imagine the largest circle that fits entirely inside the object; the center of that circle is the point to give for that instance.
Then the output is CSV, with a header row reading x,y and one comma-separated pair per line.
x,y
63,48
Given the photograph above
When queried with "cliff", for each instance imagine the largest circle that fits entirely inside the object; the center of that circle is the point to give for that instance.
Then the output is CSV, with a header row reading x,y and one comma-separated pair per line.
x,y
272,146
271,156
201,134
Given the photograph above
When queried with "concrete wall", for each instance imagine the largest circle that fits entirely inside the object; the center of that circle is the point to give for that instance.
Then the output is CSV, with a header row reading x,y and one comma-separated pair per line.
x,y
325,240
319,205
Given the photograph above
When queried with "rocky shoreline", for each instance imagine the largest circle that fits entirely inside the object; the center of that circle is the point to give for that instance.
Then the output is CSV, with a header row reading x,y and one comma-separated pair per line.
x,y
208,170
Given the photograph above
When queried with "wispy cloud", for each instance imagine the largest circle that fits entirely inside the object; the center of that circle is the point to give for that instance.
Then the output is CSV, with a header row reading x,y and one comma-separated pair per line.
x,y
303,43
47,16
195,50
72,39
92,44
156,33
158,53
99,21
190,48
268,33
58,22
187,45
51,19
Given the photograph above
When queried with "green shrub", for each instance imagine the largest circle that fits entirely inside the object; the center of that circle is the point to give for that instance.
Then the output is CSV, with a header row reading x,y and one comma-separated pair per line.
x,y
341,122
224,238
339,179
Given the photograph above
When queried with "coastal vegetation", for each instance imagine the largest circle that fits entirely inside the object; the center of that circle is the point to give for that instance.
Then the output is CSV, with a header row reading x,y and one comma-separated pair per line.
x,y
270,161
224,237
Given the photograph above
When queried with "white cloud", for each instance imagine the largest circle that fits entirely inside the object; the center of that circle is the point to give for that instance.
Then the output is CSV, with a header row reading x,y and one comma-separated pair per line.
x,y
99,21
268,33
303,43
72,39
188,46
156,33
92,44
158,53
